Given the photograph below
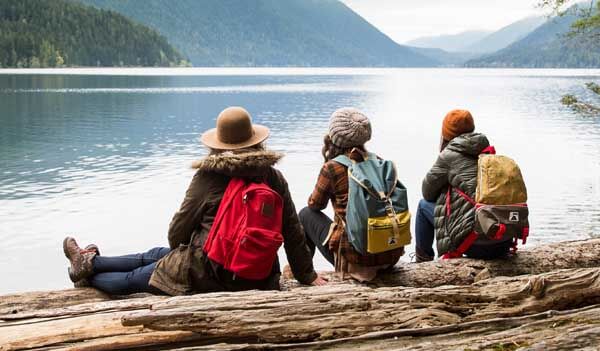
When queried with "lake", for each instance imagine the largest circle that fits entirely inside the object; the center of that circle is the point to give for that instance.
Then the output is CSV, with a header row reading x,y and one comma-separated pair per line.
x,y
104,154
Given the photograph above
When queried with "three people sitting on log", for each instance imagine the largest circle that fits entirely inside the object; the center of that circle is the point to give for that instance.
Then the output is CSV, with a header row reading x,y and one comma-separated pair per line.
x,y
238,211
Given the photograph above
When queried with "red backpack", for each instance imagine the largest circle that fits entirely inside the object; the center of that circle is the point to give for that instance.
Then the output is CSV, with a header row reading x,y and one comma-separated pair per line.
x,y
246,233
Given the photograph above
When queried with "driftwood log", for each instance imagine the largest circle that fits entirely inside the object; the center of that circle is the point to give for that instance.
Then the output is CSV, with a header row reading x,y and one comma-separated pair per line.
x,y
541,259
557,308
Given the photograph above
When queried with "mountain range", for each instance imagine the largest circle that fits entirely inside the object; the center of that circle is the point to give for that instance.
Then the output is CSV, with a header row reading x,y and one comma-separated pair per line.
x,y
246,33
268,32
549,46
452,42
505,36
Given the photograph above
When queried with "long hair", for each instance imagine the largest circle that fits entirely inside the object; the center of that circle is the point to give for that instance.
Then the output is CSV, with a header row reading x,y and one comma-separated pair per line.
x,y
331,151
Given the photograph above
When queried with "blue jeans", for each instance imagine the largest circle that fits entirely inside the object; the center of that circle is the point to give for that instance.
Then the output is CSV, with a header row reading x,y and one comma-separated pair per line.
x,y
424,229
425,236
129,274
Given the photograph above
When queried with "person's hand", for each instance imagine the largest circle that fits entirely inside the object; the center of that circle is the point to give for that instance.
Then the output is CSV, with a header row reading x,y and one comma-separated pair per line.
x,y
320,281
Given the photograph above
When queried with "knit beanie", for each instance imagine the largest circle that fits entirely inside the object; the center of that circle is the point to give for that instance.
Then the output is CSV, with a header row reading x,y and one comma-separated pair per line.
x,y
349,127
457,122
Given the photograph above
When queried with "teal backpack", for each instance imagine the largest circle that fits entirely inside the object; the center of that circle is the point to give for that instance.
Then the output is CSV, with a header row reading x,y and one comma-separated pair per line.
x,y
377,217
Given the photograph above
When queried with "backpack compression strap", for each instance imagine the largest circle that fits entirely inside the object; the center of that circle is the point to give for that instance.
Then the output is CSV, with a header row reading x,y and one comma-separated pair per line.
x,y
470,239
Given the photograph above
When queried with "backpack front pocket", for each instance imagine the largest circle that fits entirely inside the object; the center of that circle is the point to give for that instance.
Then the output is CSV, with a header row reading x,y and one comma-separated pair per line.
x,y
255,253
502,222
381,236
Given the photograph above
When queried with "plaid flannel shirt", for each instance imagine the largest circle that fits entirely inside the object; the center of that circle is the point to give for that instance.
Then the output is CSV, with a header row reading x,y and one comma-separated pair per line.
x,y
332,185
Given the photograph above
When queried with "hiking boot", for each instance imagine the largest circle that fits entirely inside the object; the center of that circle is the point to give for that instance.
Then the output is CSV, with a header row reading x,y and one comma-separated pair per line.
x,y
85,282
92,248
81,260
422,256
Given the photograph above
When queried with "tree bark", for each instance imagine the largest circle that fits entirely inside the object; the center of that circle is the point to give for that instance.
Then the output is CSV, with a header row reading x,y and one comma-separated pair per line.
x,y
541,259
342,315
343,311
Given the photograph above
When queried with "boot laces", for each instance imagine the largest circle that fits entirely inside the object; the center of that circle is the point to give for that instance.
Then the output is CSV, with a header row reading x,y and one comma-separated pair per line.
x,y
83,251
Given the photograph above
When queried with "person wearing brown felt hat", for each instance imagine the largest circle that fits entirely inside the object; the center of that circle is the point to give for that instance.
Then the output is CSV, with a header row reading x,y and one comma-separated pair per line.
x,y
456,166
234,131
236,150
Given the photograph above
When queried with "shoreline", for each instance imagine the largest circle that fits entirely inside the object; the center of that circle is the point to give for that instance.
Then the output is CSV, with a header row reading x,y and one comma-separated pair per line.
x,y
290,71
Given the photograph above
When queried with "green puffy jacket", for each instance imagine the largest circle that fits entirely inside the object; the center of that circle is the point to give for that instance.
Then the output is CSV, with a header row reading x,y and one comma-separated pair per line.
x,y
456,166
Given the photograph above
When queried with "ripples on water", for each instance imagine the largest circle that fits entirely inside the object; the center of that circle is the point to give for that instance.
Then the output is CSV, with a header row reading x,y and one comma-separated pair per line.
x,y
105,154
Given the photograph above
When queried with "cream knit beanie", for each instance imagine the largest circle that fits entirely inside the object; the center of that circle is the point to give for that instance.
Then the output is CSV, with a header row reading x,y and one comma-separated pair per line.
x,y
349,127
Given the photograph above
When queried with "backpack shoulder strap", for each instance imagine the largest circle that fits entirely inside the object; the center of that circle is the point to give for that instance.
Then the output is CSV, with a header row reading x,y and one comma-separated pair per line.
x,y
235,185
344,160
490,150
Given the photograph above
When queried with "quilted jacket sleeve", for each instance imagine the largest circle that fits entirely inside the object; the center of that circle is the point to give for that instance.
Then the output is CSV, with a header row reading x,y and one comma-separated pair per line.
x,y
436,180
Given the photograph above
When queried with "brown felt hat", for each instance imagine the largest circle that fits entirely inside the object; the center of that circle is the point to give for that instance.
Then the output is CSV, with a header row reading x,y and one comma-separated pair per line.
x,y
234,131
457,122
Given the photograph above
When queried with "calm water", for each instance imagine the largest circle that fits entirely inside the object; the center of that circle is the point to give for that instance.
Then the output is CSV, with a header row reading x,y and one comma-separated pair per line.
x,y
104,154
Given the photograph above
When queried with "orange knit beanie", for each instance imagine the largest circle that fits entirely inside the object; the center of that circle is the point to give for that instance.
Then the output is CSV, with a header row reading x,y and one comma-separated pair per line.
x,y
457,122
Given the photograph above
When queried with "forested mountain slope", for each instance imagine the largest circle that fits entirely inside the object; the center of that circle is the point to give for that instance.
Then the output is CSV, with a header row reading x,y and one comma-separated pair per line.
x,y
268,32
549,46
51,33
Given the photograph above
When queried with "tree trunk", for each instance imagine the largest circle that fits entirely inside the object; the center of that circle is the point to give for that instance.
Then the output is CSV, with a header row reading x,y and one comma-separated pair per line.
x,y
340,315
343,311
541,259
489,313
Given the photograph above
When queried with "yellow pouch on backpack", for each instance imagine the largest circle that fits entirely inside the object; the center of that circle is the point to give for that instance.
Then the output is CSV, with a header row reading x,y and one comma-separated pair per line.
x,y
380,233
499,181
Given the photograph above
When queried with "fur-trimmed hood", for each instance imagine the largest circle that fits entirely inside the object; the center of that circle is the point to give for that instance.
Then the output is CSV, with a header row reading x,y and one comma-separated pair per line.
x,y
247,164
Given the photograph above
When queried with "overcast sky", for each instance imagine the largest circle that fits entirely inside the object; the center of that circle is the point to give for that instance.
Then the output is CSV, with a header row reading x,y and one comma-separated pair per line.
x,y
404,20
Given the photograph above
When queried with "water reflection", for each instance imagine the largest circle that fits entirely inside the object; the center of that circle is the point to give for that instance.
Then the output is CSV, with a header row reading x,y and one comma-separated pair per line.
x,y
107,157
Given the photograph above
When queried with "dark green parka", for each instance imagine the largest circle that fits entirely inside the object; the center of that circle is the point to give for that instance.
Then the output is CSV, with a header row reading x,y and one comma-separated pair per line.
x,y
185,269
456,166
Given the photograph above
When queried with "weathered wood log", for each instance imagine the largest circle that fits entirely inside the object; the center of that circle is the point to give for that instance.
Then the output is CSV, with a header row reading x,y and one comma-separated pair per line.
x,y
341,311
33,301
577,329
85,319
303,315
541,259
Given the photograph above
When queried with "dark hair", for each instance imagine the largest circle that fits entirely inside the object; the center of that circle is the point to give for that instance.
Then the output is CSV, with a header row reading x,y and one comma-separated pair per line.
x,y
331,151
253,148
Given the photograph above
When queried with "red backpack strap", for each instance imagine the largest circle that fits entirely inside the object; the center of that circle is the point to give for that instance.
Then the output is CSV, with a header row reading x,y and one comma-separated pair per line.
x,y
235,185
466,245
470,239
490,150
525,235
465,196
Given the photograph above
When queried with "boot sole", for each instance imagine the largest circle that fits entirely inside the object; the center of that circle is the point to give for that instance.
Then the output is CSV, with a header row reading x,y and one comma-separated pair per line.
x,y
65,247
66,252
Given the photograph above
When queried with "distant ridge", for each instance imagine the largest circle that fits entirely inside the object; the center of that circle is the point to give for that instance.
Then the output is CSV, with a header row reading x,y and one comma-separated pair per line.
x,y
506,36
268,32
547,47
452,42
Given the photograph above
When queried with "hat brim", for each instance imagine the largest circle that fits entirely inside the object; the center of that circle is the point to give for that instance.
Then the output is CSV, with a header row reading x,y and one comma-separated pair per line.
x,y
210,139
